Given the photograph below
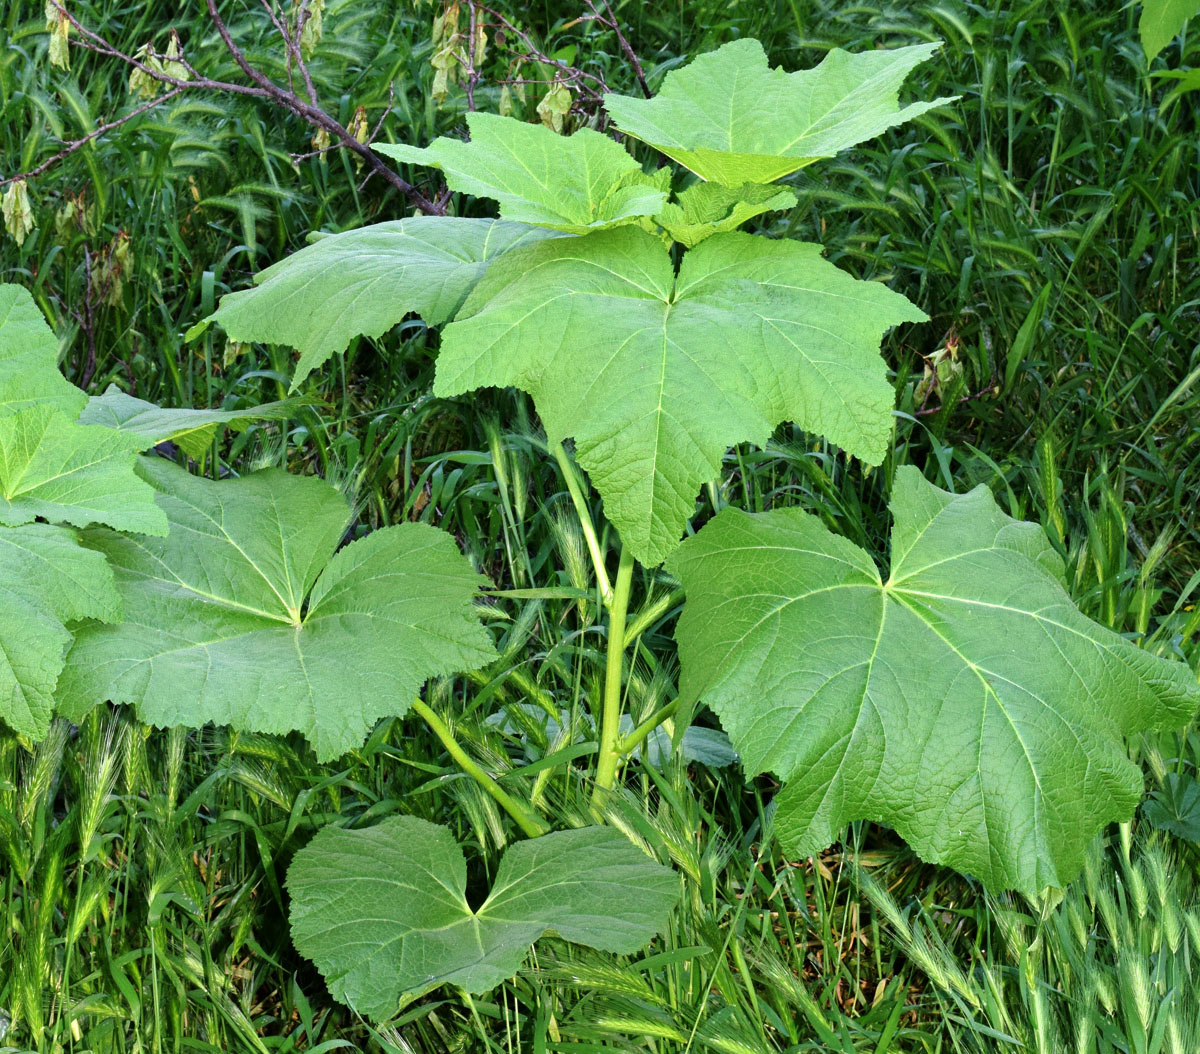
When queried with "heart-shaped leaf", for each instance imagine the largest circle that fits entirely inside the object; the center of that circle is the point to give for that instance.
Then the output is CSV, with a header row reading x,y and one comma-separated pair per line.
x,y
657,374
365,282
964,700
732,119
243,615
383,911
575,183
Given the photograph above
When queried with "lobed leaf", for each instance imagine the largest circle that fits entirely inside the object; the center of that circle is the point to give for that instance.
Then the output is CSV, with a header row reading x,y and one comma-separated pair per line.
x,y
965,700
244,616
384,915
577,183
46,580
29,374
732,119
192,430
62,472
656,374
364,282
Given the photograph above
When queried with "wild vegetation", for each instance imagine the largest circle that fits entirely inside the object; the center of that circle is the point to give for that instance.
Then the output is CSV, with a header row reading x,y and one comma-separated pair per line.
x,y
1044,226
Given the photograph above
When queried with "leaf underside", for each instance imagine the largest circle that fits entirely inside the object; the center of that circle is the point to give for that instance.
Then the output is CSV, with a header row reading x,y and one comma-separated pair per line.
x,y
191,430
965,701
365,281
383,911
732,119
244,616
656,375
577,183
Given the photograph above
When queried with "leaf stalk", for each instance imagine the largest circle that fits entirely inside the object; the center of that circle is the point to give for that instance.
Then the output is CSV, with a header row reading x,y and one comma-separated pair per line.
x,y
526,819
610,716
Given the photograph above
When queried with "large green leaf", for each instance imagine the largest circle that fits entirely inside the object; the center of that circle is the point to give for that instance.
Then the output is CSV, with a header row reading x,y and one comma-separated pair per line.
x,y
243,615
46,579
29,374
56,470
192,430
964,700
1162,21
383,911
365,282
576,183
732,119
655,375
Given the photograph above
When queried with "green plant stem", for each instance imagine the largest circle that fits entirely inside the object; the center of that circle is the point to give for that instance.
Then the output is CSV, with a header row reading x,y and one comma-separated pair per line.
x,y
627,744
531,824
585,521
610,717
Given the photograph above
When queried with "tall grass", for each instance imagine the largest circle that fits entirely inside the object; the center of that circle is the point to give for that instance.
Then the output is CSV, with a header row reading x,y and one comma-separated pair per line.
x,y
1047,221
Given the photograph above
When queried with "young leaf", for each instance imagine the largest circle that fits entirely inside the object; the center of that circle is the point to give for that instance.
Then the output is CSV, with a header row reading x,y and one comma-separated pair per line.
x,y
705,209
384,915
192,430
574,183
655,375
964,700
29,374
56,470
365,282
46,579
731,119
243,615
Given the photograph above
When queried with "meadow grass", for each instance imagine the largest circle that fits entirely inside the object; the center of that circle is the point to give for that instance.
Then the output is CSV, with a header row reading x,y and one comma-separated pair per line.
x,y
1048,222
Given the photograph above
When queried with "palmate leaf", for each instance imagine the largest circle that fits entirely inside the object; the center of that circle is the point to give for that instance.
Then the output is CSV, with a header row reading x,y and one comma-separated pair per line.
x,y
243,615
364,282
55,470
62,472
46,579
732,119
191,430
577,183
964,700
705,209
655,375
384,915
29,374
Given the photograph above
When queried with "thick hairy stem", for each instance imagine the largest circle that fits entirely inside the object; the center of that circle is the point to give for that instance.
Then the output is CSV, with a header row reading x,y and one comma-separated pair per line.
x,y
585,521
525,818
610,716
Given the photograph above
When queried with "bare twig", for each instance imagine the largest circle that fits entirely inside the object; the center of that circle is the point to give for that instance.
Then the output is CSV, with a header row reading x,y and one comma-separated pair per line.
x,y
626,50
261,86
75,144
591,87
472,72
316,116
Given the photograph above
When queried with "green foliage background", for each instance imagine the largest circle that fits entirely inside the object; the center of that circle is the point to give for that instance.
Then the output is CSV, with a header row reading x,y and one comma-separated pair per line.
x,y
1048,221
